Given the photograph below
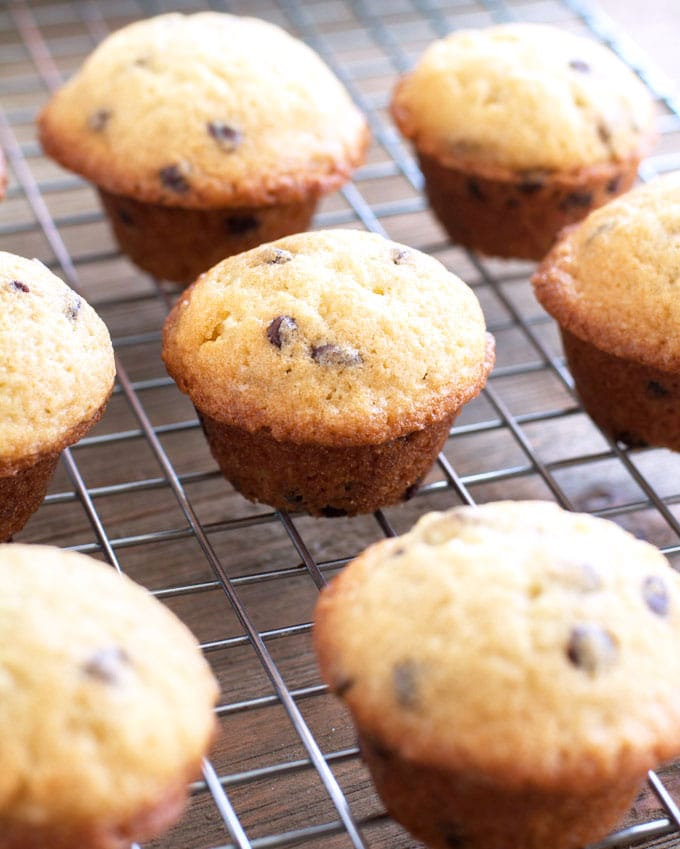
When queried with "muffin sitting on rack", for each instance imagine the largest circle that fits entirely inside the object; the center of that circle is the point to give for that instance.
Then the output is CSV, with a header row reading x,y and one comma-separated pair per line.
x,y
206,134
327,367
56,376
521,129
513,672
611,283
106,705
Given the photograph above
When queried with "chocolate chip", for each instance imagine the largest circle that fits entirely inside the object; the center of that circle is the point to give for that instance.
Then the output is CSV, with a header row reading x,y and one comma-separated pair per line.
x,y
411,490
107,665
125,217
99,119
275,256
18,286
576,200
294,497
405,683
172,178
401,256
282,331
580,65
591,648
73,305
336,355
453,835
657,389
240,224
531,182
475,190
655,594
614,184
331,512
227,137
342,686
604,133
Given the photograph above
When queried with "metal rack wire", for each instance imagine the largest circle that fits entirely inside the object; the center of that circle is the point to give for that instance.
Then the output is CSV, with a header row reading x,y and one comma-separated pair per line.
x,y
142,492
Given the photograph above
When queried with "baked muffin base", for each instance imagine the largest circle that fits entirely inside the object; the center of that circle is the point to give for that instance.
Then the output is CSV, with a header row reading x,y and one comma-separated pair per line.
x,y
324,481
508,214
22,493
450,810
23,485
634,404
177,244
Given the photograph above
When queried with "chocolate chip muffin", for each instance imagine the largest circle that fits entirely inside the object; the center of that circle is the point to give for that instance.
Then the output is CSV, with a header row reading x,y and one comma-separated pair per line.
x,y
106,705
206,134
610,283
56,375
512,669
520,130
327,367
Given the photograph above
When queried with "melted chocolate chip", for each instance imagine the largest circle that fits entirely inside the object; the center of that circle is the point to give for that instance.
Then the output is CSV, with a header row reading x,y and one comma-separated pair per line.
x,y
580,65
107,665
18,286
475,190
276,256
401,256
336,355
125,217
331,512
405,683
172,178
453,835
532,182
342,686
604,133
655,594
576,200
614,184
73,305
591,648
227,137
98,120
237,225
657,389
377,748
282,331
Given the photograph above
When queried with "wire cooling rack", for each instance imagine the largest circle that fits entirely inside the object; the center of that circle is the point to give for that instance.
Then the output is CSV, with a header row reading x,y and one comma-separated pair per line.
x,y
142,492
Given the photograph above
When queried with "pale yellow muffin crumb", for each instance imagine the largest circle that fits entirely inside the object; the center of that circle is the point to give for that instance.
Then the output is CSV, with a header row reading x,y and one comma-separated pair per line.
x,y
511,668
525,97
106,704
56,362
205,110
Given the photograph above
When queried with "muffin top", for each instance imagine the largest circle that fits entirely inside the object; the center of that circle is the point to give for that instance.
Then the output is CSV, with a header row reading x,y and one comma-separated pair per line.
x,y
56,363
205,110
524,97
334,337
106,702
515,639
613,280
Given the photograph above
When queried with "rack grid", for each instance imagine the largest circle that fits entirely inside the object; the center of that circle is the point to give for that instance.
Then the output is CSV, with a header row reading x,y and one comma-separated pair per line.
x,y
142,492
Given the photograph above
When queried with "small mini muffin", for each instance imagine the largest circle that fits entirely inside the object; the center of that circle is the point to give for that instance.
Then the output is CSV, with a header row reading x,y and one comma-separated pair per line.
x,y
512,669
520,130
106,705
56,376
327,367
611,284
206,134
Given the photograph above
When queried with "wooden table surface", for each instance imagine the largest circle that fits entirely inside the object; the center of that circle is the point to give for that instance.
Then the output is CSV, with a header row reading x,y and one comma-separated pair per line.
x,y
116,496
